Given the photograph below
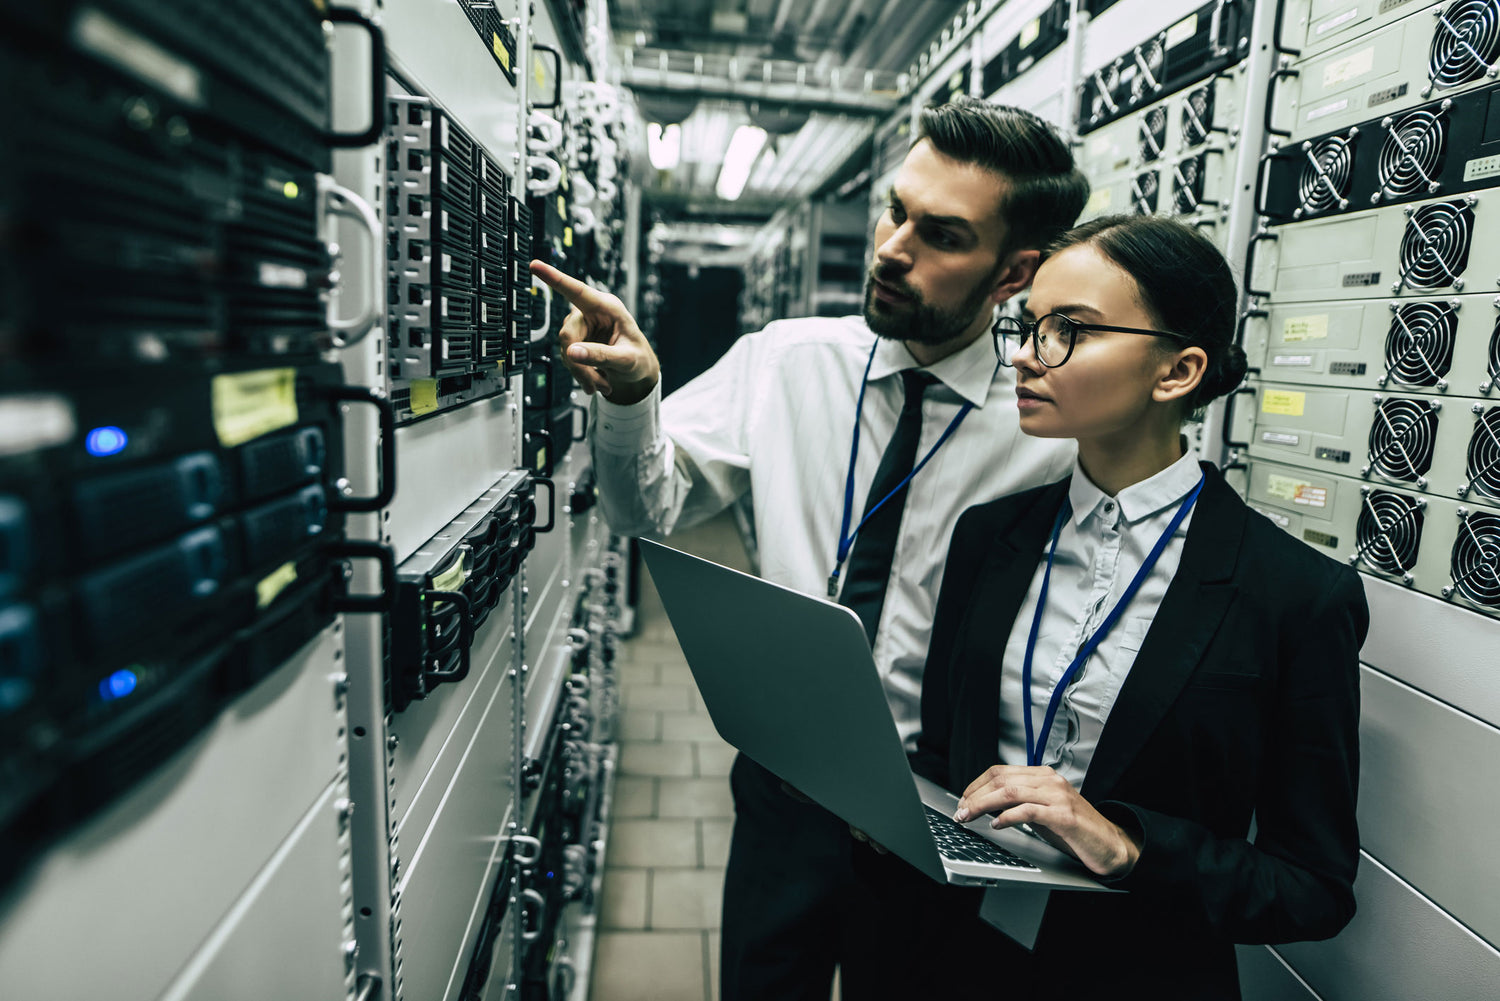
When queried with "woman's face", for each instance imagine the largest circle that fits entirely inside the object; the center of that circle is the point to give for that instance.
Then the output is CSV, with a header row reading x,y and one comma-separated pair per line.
x,y
1107,385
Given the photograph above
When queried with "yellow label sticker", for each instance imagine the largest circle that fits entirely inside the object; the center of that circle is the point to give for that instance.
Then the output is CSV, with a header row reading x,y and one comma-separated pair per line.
x,y
453,578
1305,328
539,70
567,236
1182,31
501,52
1351,67
562,206
1030,32
1099,201
423,396
1283,402
541,458
247,405
273,583
1296,491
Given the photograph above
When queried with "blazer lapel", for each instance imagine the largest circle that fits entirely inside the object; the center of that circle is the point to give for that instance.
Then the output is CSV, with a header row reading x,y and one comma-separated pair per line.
x,y
1008,568
1190,614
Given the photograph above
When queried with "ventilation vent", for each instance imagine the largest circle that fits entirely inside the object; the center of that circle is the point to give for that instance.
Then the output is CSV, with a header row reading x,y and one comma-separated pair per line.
x,y
1143,192
1413,153
1198,115
1419,344
1187,184
1153,134
1475,565
1389,532
1435,246
1324,183
1465,42
1149,57
1484,454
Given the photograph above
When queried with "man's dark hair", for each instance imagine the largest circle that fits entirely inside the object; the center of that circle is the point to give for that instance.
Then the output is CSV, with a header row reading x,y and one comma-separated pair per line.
x,y
1046,190
1183,282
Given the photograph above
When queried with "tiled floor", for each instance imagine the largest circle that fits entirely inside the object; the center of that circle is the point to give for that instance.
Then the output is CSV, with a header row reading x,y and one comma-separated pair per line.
x,y
669,841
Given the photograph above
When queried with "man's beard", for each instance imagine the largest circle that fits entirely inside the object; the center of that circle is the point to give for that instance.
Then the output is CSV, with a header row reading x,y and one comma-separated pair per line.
x,y
916,320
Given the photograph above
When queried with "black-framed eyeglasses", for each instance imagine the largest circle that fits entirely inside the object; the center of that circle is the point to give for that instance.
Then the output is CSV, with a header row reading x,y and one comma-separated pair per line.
x,y
1052,337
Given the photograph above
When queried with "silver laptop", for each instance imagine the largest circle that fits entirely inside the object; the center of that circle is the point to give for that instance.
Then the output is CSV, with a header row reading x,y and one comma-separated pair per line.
x,y
789,680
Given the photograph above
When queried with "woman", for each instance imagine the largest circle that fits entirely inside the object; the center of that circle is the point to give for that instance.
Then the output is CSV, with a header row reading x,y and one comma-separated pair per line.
x,y
1154,664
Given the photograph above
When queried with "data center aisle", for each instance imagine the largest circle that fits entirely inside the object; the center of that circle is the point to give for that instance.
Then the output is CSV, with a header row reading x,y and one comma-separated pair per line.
x,y
659,916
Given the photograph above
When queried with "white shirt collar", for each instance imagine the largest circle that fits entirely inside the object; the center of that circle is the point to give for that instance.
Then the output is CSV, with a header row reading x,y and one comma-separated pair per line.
x,y
970,372
1139,500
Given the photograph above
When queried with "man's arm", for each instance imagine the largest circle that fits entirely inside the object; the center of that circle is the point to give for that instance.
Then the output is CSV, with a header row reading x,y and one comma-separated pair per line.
x,y
658,467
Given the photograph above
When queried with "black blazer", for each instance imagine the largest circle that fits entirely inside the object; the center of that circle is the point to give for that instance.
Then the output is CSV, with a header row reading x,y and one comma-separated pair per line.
x,y
1242,703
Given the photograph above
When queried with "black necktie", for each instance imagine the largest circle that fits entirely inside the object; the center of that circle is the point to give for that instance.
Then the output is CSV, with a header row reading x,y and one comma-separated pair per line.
x,y
869,566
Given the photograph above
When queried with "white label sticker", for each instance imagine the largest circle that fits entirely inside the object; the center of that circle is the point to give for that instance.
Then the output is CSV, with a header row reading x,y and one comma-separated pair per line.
x,y
1331,108
1278,438
1336,21
1311,496
1351,67
1182,31
1292,360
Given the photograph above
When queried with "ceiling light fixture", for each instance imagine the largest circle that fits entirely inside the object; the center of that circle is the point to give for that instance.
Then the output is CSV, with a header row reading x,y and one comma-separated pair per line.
x,y
664,145
744,147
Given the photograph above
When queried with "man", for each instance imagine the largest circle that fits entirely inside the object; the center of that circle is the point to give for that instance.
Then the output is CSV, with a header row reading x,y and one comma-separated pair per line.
x,y
902,417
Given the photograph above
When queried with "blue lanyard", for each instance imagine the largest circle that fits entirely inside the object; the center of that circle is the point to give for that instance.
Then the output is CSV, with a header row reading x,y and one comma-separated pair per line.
x,y
1036,748
846,538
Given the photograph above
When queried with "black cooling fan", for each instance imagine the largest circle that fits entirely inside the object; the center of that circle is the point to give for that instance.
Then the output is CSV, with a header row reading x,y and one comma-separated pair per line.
x,y
1412,155
1198,115
1153,134
1465,43
1389,531
1419,344
1403,439
1435,246
1484,454
1326,172
1475,564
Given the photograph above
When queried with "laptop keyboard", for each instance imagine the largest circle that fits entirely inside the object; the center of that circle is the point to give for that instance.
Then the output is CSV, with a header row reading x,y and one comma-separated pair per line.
x,y
957,842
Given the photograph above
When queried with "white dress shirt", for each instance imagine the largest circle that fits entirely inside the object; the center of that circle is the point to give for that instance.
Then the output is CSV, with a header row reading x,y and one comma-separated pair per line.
x,y
775,417
1101,547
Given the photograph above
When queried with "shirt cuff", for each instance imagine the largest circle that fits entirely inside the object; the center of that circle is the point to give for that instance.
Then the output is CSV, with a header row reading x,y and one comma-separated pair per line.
x,y
627,429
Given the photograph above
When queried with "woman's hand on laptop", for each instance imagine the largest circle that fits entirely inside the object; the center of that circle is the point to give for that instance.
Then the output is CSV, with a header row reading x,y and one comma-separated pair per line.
x,y
1057,812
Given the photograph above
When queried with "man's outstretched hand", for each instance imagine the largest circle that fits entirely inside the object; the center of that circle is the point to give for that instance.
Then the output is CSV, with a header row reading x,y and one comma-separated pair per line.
x,y
601,344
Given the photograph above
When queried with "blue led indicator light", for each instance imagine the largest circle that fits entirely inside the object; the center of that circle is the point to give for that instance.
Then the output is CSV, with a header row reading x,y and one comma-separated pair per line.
x,y
106,441
118,685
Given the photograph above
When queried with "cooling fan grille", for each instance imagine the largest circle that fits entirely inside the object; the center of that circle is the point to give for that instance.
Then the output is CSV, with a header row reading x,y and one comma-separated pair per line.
x,y
1435,246
1143,192
1106,97
1475,564
1411,158
1153,134
1389,531
1149,59
1419,345
1326,174
1403,439
1492,368
1465,42
1484,454
1198,115
1187,183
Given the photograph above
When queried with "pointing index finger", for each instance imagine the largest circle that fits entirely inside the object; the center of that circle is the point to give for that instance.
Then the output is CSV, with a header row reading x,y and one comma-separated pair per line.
x,y
570,288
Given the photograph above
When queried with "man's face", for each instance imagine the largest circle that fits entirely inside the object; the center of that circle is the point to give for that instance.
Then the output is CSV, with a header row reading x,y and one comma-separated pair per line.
x,y
936,250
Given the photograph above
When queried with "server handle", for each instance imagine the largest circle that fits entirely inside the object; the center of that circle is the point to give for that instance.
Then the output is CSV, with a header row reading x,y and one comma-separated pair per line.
x,y
1226,432
387,415
371,133
383,602
343,202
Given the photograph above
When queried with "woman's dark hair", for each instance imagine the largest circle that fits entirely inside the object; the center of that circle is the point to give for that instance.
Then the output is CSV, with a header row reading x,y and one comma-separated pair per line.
x,y
1184,283
1046,190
